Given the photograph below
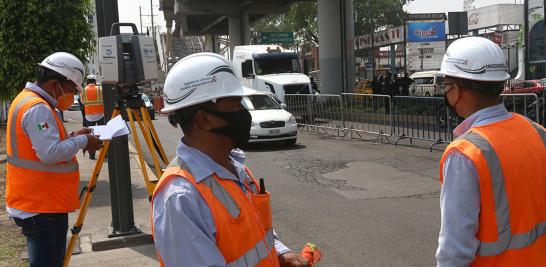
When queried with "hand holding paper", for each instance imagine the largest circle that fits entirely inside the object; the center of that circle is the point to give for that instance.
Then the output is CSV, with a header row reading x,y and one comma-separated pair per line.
x,y
114,128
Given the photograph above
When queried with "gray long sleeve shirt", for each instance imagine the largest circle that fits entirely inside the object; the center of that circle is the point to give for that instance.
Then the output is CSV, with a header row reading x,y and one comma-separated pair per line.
x,y
45,141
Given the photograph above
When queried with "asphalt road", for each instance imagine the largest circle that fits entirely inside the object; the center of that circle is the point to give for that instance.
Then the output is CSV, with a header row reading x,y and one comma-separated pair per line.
x,y
362,204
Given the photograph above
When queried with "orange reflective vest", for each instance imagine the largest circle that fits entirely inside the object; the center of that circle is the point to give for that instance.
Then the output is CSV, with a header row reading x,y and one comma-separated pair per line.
x,y
32,185
244,232
510,159
92,99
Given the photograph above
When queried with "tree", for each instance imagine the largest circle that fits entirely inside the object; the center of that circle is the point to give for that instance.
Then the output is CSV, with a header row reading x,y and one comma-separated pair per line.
x,y
33,29
376,15
301,18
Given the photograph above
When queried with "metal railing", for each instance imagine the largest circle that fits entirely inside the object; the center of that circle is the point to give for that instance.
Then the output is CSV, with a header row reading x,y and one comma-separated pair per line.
x,y
367,114
317,113
421,118
403,117
528,105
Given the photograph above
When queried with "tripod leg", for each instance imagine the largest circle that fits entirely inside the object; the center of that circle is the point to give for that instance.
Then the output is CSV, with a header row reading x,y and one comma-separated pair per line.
x,y
87,198
149,186
148,120
148,138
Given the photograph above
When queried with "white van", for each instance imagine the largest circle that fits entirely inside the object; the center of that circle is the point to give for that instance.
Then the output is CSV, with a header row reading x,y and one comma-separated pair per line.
x,y
270,69
426,83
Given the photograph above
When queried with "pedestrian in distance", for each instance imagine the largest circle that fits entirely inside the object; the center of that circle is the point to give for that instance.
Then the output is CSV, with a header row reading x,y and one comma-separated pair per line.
x,y
493,196
404,84
42,171
314,86
91,97
207,208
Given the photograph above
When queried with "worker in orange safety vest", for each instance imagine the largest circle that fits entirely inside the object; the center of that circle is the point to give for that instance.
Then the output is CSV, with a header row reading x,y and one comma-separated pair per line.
x,y
91,97
493,197
208,209
42,171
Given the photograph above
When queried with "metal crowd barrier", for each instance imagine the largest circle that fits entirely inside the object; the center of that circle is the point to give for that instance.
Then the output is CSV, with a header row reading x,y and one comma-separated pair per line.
x,y
317,113
422,118
369,114
528,105
406,117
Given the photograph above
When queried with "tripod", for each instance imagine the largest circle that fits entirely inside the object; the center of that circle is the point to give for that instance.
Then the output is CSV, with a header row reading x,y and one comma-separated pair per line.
x,y
133,106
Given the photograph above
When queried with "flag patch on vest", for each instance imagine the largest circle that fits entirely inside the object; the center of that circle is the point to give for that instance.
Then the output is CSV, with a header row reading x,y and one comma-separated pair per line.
x,y
42,126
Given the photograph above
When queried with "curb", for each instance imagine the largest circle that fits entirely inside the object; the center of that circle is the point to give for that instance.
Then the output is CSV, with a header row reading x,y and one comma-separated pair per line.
x,y
123,242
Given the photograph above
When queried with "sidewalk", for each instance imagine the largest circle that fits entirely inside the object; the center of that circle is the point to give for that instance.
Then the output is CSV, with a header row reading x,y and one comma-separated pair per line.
x,y
136,250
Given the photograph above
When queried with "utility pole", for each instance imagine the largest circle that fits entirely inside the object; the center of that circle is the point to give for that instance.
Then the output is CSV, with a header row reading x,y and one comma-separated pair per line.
x,y
119,175
152,16
140,12
526,39
373,38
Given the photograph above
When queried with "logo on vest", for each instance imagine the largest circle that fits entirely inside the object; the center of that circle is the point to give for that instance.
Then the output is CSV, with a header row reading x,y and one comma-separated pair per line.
x,y
42,126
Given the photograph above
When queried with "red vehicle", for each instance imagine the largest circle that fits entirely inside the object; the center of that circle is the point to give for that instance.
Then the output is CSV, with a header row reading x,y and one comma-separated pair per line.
x,y
529,86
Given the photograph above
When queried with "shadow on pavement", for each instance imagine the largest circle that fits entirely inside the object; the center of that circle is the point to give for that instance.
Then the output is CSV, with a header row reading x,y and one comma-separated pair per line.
x,y
271,147
101,195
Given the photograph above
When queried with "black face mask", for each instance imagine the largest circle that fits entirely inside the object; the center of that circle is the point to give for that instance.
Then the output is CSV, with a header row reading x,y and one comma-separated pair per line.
x,y
238,127
453,111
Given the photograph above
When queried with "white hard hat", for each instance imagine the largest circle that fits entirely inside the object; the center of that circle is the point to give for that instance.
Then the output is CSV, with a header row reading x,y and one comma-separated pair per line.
x,y
67,65
91,77
199,78
475,58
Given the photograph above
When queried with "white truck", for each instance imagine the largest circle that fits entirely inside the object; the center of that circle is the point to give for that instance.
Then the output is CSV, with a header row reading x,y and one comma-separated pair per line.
x,y
271,69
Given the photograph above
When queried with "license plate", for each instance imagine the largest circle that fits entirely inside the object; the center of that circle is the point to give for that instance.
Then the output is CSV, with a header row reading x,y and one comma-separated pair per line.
x,y
273,132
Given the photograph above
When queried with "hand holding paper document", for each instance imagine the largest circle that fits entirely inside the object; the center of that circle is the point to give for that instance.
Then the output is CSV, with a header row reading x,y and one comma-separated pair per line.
x,y
114,128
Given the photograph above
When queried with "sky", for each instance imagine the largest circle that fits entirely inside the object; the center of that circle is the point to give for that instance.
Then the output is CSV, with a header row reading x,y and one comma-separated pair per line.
x,y
129,9
129,12
433,6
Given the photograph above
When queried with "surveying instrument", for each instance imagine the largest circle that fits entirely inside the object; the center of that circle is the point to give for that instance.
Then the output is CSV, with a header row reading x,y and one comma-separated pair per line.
x,y
125,61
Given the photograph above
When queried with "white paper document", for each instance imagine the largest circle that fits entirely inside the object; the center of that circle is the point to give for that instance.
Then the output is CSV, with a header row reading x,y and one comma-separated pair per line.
x,y
114,128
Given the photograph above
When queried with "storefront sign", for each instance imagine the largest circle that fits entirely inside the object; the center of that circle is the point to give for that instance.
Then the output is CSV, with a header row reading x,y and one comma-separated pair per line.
x,y
382,38
426,31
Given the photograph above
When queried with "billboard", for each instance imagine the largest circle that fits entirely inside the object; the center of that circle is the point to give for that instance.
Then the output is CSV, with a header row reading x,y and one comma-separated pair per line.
x,y
382,38
425,56
491,16
426,31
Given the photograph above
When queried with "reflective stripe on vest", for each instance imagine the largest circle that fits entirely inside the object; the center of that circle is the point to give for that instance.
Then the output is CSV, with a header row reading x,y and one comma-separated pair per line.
x,y
262,248
506,240
65,167
92,100
221,194
259,247
540,131
256,254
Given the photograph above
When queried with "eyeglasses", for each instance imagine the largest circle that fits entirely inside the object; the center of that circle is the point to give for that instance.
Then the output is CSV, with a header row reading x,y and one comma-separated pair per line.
x,y
444,84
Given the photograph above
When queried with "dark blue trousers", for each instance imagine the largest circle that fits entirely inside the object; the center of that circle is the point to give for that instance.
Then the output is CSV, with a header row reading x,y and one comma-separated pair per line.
x,y
46,238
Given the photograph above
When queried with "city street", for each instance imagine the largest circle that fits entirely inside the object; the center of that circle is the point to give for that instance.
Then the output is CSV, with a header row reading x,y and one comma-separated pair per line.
x,y
362,204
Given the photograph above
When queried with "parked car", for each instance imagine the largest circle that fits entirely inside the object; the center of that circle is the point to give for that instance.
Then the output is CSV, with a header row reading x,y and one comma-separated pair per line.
x,y
426,83
529,86
270,122
363,87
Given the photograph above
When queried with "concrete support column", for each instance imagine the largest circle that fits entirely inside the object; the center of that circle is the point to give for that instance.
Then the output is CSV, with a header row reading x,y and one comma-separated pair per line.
x,y
245,27
239,31
235,34
336,53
